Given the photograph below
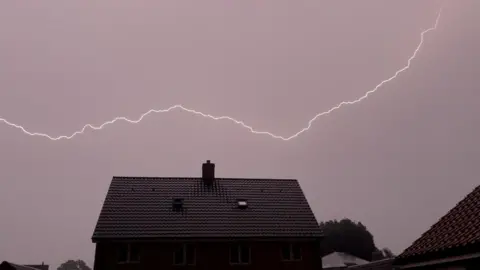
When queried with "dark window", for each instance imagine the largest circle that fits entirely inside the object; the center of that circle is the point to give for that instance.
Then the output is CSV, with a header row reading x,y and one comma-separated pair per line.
x,y
244,254
134,255
184,255
240,254
123,253
291,252
179,256
286,252
234,255
296,253
128,253
177,204
190,252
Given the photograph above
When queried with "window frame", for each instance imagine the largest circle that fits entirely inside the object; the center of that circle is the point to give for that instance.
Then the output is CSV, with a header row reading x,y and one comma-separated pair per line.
x,y
184,248
238,248
128,260
291,257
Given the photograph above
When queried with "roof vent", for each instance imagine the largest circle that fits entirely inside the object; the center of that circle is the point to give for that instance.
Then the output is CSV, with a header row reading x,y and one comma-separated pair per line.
x,y
242,204
177,204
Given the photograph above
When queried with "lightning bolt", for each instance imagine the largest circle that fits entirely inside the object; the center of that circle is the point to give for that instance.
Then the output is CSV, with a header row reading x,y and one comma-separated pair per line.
x,y
238,122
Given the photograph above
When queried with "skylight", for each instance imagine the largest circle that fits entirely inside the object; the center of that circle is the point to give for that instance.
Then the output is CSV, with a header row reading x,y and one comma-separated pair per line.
x,y
177,204
242,204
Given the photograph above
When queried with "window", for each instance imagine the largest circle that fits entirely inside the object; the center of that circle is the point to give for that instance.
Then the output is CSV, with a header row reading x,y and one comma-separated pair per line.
x,y
291,252
128,253
134,253
177,204
286,252
242,204
123,253
184,255
240,254
296,253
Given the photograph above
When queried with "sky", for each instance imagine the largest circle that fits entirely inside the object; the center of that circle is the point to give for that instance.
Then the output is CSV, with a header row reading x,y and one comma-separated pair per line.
x,y
397,161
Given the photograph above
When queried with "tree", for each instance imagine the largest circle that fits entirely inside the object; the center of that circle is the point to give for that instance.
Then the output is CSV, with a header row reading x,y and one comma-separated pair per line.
x,y
349,237
74,265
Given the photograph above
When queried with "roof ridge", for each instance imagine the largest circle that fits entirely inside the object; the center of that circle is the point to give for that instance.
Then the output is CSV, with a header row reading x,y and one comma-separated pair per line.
x,y
190,178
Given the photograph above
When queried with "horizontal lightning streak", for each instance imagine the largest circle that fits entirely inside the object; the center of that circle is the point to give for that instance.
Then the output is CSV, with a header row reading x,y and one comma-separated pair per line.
x,y
241,123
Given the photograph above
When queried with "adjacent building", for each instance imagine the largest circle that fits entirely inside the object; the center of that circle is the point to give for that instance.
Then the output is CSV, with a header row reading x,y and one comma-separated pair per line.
x,y
206,223
452,243
340,260
13,266
382,264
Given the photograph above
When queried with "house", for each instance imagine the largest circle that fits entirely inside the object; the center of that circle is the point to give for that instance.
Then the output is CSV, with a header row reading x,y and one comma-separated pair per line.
x,y
383,264
12,266
38,266
206,223
340,260
451,243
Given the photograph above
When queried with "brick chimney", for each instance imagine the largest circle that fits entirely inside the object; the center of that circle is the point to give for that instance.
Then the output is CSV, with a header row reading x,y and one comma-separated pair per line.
x,y
208,172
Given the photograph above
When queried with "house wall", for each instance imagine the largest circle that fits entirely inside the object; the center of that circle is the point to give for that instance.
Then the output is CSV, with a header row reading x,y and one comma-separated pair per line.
x,y
264,255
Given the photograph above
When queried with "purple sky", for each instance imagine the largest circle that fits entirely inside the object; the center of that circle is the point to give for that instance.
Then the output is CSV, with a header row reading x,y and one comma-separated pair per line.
x,y
396,162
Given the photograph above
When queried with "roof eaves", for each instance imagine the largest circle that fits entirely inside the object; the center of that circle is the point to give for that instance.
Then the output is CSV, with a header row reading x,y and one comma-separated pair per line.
x,y
440,261
205,239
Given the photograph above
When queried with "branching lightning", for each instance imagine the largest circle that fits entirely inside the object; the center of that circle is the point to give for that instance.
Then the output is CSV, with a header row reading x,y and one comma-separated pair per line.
x,y
238,122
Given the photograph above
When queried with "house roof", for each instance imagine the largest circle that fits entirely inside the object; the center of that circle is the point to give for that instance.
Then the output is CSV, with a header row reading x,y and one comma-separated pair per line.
x,y
341,259
459,228
141,207
38,266
375,265
13,266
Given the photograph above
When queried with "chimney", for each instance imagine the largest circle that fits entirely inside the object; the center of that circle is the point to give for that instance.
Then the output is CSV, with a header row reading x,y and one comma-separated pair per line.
x,y
208,172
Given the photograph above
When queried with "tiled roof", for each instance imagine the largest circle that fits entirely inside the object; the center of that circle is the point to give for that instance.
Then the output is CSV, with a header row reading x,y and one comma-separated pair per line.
x,y
138,207
384,264
38,266
10,265
459,228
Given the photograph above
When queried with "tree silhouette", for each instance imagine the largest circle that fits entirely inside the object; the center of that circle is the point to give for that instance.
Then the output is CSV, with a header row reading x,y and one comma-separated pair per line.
x,y
74,265
349,237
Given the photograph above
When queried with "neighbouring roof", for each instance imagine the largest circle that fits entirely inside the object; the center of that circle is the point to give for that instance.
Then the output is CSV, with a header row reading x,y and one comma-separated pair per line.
x,y
13,266
384,264
38,266
340,259
459,228
141,207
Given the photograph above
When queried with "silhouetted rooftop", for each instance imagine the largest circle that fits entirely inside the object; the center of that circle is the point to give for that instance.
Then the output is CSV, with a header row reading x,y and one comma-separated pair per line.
x,y
458,229
141,207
